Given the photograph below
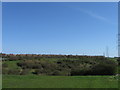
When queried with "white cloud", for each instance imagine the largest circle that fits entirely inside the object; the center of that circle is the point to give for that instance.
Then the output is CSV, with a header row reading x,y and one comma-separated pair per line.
x,y
94,15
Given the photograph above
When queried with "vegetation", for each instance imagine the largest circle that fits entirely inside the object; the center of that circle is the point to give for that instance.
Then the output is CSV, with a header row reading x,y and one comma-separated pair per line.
x,y
34,81
58,65
64,71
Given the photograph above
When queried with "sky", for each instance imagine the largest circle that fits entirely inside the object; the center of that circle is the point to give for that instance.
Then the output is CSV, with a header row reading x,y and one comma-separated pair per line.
x,y
0,27
84,28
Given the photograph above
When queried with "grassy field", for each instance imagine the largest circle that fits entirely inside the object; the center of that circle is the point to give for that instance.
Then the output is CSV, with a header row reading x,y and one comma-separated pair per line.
x,y
32,81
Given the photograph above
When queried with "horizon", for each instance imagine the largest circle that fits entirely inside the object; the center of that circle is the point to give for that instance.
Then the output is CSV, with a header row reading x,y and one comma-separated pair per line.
x,y
57,54
60,28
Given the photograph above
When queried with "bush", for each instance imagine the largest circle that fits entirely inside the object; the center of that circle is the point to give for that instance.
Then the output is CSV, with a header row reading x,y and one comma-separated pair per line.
x,y
65,72
101,67
118,61
80,71
65,65
4,71
4,65
40,72
25,72
104,69
13,72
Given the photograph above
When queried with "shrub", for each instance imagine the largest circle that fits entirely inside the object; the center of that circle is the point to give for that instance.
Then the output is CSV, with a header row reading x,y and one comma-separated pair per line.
x,y
64,65
25,72
39,72
118,61
13,72
64,72
80,71
4,65
4,71
104,69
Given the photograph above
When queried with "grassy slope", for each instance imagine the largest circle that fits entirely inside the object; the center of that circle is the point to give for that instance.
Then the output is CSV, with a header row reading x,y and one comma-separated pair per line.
x,y
32,81
12,64
0,82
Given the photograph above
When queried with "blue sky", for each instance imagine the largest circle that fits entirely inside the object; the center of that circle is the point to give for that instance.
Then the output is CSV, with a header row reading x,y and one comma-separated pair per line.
x,y
60,28
1,27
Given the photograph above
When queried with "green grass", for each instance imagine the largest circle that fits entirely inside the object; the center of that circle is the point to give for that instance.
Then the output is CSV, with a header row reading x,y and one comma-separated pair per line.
x,y
0,82
32,81
12,64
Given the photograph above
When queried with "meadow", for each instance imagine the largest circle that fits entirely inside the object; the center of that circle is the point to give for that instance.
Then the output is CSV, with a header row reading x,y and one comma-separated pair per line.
x,y
59,71
33,81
